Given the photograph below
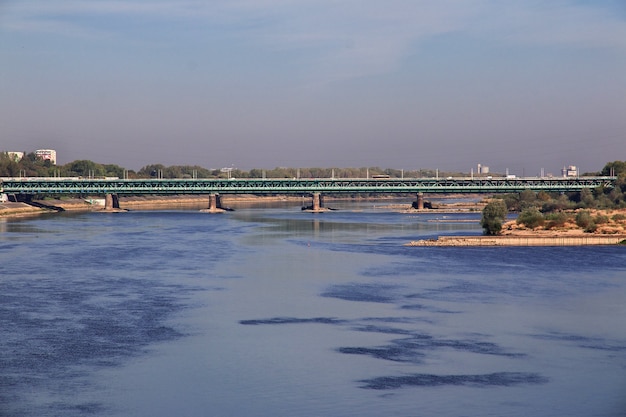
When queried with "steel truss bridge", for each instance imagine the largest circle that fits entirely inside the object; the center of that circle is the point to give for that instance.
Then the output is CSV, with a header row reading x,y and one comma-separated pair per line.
x,y
38,186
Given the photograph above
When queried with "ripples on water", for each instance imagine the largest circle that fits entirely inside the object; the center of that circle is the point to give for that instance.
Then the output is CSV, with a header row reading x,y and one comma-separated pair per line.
x,y
276,312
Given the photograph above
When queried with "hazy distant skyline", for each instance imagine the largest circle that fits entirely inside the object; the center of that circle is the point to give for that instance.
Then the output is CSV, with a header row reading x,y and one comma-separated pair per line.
x,y
406,84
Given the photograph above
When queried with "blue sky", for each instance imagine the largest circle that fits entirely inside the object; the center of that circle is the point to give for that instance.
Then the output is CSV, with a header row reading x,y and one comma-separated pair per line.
x,y
518,84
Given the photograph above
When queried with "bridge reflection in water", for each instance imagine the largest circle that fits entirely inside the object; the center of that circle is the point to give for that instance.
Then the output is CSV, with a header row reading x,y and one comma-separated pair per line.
x,y
38,186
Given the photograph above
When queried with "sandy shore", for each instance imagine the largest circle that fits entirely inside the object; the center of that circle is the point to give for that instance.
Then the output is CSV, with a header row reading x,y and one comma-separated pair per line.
x,y
9,209
572,239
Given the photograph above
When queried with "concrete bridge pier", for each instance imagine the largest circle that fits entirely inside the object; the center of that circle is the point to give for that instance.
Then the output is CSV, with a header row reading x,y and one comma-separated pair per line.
x,y
111,202
214,200
316,205
215,204
317,201
419,203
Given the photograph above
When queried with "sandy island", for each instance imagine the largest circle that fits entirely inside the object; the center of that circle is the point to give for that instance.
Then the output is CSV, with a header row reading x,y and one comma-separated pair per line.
x,y
612,232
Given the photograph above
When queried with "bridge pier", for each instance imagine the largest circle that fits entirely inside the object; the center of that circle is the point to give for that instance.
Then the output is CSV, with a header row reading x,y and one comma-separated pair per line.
x,y
420,204
317,201
420,201
111,202
215,204
214,200
316,204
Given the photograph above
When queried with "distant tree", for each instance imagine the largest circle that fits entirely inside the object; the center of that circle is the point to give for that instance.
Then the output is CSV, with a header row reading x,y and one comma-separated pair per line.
x,y
616,195
256,173
512,202
355,173
556,219
587,199
393,173
527,199
584,219
562,202
494,215
111,170
84,168
151,171
281,172
238,173
8,166
530,218
320,172
543,196
173,172
614,168
198,171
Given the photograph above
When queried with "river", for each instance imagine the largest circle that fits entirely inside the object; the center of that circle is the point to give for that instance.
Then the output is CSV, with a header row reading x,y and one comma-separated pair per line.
x,y
276,312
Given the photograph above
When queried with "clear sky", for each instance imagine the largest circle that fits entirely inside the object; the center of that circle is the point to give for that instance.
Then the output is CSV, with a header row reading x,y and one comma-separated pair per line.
x,y
406,84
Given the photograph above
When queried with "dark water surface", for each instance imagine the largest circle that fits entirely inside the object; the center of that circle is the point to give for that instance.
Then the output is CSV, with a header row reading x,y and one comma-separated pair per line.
x,y
275,312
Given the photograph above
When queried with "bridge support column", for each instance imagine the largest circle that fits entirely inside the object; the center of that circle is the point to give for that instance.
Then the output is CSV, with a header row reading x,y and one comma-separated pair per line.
x,y
317,201
111,202
213,201
419,203
316,205
215,204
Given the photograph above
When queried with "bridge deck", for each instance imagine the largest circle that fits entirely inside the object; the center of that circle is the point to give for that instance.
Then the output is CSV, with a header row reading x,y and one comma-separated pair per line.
x,y
86,186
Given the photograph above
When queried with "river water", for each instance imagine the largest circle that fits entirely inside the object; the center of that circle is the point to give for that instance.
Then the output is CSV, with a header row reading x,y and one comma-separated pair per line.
x,y
276,312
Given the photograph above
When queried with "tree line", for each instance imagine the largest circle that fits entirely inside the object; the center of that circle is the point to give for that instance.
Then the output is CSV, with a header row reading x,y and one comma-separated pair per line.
x,y
32,166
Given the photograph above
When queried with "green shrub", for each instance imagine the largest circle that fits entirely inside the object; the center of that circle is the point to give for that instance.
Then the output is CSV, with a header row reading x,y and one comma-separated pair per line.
x,y
530,218
550,207
494,214
601,219
619,217
556,219
583,219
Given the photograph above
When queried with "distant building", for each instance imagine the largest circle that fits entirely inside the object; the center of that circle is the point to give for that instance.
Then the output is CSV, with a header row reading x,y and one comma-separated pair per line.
x,y
483,169
15,156
47,155
570,171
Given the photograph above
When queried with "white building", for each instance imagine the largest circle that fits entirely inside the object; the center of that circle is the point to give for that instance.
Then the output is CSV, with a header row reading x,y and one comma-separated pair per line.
x,y
15,156
47,155
483,169
570,171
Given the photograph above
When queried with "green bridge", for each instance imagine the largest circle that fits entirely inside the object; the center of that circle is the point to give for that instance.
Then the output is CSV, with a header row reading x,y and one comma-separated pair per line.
x,y
37,186
88,186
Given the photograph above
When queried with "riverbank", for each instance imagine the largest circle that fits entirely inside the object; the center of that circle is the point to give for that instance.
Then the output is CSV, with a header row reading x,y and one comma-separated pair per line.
x,y
523,240
10,209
